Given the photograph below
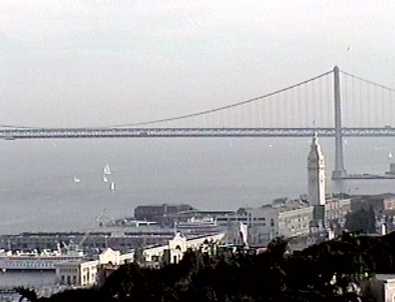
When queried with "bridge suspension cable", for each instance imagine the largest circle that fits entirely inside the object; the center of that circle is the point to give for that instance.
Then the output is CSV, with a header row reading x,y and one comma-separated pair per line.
x,y
306,104
221,108
366,103
367,81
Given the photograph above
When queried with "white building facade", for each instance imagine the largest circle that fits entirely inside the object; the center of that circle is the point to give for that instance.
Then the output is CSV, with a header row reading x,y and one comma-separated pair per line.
x,y
288,219
83,273
176,248
316,174
262,224
295,221
77,273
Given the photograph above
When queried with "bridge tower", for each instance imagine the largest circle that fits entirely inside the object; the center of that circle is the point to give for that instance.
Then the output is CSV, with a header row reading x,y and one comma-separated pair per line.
x,y
339,171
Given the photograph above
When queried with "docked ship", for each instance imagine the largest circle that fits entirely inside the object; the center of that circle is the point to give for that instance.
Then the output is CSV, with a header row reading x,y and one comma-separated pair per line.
x,y
46,260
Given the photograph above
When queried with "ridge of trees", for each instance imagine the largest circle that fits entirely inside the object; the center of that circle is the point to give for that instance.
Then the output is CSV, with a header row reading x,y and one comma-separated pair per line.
x,y
330,271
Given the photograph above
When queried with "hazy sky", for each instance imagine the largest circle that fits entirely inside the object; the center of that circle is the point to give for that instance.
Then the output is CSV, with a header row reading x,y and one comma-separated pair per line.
x,y
100,62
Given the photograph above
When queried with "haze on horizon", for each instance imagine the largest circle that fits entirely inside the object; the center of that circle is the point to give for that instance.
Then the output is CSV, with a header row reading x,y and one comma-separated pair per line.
x,y
102,62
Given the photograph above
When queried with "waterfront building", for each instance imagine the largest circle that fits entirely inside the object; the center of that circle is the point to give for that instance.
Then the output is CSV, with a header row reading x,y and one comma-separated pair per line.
x,y
316,174
262,224
185,216
83,272
176,248
31,261
117,239
287,218
197,226
77,273
336,210
294,219
379,202
88,272
163,214
383,206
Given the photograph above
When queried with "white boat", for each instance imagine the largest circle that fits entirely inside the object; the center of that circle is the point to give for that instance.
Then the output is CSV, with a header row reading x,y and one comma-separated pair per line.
x,y
112,186
389,155
76,180
105,179
107,170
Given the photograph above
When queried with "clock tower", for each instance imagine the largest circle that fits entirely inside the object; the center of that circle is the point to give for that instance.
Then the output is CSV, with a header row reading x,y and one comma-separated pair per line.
x,y
316,174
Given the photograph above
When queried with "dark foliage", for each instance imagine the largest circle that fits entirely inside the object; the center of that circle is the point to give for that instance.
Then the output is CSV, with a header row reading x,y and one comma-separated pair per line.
x,y
26,294
330,271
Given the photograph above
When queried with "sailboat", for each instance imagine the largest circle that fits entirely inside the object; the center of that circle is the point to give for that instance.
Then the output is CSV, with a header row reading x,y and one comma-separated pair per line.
x,y
112,186
107,170
76,180
389,155
105,179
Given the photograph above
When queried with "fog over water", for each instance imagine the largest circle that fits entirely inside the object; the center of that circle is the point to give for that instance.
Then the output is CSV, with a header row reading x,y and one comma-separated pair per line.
x,y
99,62
38,192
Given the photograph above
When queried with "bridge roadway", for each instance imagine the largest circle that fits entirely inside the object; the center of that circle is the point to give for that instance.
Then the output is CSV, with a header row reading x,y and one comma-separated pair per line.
x,y
50,133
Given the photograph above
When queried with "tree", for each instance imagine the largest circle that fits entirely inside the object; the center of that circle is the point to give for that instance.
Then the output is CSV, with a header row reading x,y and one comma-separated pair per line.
x,y
278,247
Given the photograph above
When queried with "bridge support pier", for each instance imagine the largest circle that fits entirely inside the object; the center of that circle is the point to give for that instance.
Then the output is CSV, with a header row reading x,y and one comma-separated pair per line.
x,y
339,171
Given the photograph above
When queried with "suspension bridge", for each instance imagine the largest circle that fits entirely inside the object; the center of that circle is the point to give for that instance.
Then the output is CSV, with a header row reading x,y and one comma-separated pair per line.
x,y
333,104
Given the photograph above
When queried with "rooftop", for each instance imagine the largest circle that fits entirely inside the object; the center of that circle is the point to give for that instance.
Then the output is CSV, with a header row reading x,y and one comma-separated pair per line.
x,y
292,205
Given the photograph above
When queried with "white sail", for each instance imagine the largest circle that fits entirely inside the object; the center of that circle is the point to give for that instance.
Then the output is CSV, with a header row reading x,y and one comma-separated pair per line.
x,y
112,186
76,180
389,155
107,170
105,179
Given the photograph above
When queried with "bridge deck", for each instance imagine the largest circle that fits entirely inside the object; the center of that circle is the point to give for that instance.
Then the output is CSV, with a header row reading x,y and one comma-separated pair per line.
x,y
42,133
